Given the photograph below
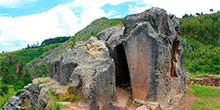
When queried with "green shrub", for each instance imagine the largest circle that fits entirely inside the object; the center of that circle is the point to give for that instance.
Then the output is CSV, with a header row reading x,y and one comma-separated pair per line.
x,y
19,92
4,89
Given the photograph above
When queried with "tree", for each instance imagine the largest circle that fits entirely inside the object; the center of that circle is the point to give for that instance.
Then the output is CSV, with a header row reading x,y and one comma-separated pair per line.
x,y
13,72
28,46
211,10
198,14
201,13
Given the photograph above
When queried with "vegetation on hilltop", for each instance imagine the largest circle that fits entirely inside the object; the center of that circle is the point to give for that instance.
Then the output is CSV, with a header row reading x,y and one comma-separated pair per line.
x,y
26,55
54,40
95,27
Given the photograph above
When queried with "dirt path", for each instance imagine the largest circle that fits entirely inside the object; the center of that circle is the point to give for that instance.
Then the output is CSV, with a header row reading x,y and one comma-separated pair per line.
x,y
122,97
185,102
74,106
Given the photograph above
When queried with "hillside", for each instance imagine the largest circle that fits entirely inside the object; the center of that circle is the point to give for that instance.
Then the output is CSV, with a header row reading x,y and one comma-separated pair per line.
x,y
26,55
13,75
201,43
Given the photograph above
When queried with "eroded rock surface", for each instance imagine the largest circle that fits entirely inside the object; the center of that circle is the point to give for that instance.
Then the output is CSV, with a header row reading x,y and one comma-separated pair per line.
x,y
148,55
154,55
89,70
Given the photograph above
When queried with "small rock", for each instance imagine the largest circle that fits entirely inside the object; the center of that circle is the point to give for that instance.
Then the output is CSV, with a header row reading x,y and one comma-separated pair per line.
x,y
143,107
28,87
154,106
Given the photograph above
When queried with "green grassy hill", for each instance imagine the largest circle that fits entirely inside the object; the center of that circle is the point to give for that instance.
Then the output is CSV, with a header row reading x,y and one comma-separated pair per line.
x,y
201,42
26,55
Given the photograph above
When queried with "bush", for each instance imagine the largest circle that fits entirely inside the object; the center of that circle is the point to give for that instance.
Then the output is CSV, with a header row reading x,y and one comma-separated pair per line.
x,y
19,92
4,89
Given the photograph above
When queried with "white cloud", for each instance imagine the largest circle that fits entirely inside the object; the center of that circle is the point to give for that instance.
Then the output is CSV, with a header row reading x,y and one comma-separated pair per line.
x,y
91,14
180,7
95,3
112,12
136,9
91,9
59,21
14,3
117,16
9,3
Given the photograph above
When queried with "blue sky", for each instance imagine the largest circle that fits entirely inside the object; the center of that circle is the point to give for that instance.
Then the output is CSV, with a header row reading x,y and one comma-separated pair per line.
x,y
25,22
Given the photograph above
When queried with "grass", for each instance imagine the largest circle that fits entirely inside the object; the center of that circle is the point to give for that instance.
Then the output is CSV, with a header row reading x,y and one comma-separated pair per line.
x,y
27,55
207,98
194,76
42,82
202,47
5,97
55,99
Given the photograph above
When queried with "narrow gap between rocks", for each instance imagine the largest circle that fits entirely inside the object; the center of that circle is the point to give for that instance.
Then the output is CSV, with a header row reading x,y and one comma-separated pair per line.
x,y
121,66
173,59
123,91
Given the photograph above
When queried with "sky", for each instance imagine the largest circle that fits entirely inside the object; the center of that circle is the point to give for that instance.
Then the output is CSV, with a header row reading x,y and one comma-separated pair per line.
x,y
25,22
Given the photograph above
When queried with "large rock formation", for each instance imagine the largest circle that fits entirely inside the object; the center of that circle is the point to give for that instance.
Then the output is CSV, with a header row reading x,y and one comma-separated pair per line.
x,y
154,55
148,55
145,54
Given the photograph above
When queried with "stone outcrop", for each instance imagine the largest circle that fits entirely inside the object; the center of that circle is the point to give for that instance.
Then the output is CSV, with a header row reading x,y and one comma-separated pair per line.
x,y
154,55
43,91
148,55
17,101
89,70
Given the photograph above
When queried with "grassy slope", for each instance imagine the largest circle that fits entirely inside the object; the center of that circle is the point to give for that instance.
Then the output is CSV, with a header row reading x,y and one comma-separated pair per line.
x,y
202,48
95,27
206,98
5,97
27,55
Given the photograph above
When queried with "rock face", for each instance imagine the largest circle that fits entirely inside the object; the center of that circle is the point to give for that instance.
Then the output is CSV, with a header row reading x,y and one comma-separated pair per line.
x,y
154,55
89,70
148,55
